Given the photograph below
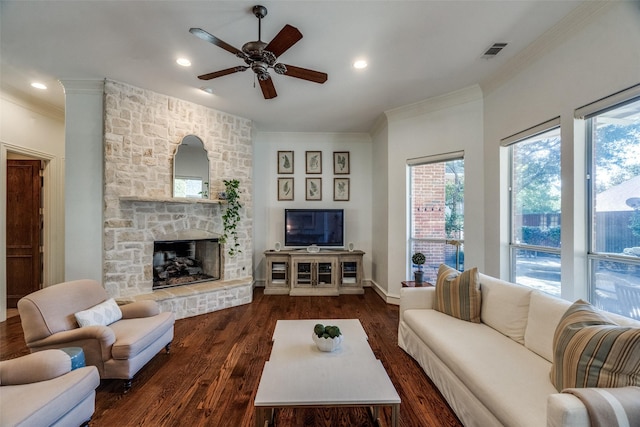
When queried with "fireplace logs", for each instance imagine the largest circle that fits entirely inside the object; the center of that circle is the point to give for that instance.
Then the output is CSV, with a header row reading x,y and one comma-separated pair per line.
x,y
185,261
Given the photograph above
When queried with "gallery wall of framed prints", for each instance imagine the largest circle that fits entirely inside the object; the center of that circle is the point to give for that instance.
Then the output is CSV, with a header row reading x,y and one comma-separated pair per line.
x,y
313,184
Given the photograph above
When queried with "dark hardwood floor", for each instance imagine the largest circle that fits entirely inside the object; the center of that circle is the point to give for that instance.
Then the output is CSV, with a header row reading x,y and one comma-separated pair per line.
x,y
212,374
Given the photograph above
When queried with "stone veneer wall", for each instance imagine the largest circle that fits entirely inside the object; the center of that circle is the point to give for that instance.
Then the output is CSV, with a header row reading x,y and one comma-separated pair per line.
x,y
142,130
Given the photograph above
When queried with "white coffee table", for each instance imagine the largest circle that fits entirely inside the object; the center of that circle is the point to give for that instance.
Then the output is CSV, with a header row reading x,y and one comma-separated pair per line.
x,y
299,375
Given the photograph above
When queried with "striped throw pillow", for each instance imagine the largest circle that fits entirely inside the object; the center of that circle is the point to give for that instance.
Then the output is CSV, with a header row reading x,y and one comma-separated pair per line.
x,y
589,350
458,294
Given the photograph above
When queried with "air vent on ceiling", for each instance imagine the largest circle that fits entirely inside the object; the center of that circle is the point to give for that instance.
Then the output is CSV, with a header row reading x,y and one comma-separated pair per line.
x,y
494,50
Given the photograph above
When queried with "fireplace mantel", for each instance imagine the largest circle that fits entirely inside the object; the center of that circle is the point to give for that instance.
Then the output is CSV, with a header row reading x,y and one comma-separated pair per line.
x,y
183,200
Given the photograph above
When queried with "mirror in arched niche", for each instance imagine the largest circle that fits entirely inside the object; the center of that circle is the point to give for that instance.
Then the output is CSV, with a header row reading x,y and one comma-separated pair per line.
x,y
191,169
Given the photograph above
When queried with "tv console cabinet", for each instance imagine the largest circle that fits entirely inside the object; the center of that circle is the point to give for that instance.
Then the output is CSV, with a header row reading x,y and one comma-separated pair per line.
x,y
327,272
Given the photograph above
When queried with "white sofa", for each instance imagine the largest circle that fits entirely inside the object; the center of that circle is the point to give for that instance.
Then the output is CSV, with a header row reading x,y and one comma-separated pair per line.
x,y
494,373
43,389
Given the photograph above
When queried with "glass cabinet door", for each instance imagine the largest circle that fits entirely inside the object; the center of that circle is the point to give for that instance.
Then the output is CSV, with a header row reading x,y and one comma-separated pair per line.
x,y
324,273
349,272
304,273
279,273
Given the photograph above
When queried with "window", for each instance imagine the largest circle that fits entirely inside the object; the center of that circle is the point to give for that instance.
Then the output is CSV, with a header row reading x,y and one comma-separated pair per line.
x,y
436,186
187,187
613,136
534,190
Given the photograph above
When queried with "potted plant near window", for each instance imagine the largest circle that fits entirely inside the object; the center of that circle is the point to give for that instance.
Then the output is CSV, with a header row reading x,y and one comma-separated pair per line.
x,y
418,260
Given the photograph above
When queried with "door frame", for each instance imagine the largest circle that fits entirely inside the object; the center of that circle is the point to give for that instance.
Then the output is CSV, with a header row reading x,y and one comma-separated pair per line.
x,y
53,218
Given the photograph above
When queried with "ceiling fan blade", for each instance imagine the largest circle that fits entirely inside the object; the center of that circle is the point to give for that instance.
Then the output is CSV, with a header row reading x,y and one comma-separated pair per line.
x,y
200,33
221,73
268,89
305,74
287,37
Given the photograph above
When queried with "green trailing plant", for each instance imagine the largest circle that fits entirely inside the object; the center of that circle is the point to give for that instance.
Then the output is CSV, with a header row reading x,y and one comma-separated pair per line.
x,y
231,217
205,190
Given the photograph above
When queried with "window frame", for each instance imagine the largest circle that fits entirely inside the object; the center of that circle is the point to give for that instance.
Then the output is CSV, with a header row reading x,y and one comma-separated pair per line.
x,y
594,257
510,142
415,162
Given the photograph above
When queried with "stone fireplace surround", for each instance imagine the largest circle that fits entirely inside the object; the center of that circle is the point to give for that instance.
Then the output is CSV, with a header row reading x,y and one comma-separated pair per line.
x,y
142,131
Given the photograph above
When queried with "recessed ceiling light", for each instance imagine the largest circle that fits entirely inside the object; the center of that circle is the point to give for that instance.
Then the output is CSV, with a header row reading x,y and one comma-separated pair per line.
x,y
184,62
359,64
38,85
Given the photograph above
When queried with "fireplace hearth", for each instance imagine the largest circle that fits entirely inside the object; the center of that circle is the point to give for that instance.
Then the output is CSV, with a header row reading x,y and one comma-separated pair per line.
x,y
182,262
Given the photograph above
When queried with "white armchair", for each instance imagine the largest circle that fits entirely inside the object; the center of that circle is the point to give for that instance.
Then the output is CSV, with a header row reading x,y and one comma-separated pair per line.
x,y
119,350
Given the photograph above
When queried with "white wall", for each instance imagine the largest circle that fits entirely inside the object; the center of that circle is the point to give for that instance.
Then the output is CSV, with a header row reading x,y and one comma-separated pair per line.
x,y
439,125
269,212
35,130
84,175
581,63
380,206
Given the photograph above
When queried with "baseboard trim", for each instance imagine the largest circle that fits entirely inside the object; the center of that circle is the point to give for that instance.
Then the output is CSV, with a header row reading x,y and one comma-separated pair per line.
x,y
382,293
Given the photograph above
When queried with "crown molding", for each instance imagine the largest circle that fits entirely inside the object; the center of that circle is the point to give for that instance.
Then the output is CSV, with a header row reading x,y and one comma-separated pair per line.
x,y
73,86
341,137
574,22
25,100
451,99
379,125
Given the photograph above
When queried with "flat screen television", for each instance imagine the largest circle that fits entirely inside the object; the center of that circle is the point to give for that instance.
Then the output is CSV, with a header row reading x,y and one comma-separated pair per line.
x,y
320,227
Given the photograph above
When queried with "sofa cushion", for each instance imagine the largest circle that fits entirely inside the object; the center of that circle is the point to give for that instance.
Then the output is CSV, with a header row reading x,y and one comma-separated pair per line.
x,y
545,312
46,402
589,350
135,335
505,306
510,380
102,314
458,294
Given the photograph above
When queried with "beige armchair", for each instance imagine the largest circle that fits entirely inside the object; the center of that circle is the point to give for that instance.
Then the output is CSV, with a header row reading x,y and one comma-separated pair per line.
x,y
40,389
119,350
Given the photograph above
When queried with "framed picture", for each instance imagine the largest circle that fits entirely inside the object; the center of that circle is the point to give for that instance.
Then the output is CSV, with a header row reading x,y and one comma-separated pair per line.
x,y
341,162
313,189
285,162
314,161
341,189
285,188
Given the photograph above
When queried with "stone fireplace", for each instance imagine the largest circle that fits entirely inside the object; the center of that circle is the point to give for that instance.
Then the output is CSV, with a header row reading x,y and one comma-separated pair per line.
x,y
142,131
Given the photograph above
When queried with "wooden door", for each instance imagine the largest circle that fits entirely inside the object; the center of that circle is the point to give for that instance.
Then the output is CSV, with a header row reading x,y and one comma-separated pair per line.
x,y
24,229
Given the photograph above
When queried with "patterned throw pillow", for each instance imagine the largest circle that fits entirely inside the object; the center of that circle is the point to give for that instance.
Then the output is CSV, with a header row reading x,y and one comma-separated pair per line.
x,y
103,314
589,350
458,294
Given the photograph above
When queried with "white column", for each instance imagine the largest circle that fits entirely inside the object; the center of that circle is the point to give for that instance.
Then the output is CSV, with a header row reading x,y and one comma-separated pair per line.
x,y
84,186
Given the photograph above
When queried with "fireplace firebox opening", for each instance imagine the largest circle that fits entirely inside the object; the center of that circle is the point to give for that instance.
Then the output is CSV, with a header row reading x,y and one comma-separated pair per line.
x,y
181,262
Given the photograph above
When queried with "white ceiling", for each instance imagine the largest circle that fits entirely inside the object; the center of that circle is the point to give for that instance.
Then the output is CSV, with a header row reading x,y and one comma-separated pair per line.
x,y
415,50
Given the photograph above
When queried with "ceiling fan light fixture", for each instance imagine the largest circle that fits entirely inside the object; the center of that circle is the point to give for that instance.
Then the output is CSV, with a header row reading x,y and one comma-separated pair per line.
x,y
207,90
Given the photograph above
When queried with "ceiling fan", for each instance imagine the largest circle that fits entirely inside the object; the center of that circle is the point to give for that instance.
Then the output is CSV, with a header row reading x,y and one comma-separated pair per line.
x,y
260,56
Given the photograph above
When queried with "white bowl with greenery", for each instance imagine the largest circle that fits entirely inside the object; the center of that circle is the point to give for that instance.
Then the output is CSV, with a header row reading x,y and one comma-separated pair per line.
x,y
327,338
